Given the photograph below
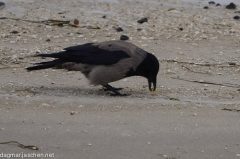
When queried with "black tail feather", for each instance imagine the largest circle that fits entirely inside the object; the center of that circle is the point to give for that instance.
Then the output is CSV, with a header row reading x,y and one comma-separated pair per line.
x,y
45,65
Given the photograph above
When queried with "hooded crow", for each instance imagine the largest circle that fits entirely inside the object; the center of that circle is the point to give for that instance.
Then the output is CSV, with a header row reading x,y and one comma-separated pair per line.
x,y
105,62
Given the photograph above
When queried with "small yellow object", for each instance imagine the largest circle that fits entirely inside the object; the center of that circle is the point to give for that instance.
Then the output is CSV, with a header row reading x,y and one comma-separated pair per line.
x,y
152,90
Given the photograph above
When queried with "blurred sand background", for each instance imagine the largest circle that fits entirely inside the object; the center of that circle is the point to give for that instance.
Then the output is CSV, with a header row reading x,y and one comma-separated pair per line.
x,y
57,111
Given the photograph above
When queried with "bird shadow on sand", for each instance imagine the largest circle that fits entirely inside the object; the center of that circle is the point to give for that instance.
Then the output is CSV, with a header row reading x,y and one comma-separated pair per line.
x,y
75,91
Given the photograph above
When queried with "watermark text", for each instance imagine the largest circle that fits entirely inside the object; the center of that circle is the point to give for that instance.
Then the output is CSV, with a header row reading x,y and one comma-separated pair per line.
x,y
26,155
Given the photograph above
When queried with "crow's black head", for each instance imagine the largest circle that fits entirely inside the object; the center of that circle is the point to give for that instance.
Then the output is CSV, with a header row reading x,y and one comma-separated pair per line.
x,y
149,68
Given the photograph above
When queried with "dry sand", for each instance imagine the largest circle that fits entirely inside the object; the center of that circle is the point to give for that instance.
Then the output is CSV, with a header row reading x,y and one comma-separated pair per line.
x,y
60,113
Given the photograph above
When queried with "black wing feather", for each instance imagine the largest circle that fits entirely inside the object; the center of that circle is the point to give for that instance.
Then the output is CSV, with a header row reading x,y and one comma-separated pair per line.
x,y
44,65
89,54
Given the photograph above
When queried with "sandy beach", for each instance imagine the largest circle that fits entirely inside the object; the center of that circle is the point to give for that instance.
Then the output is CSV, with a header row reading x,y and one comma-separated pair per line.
x,y
194,113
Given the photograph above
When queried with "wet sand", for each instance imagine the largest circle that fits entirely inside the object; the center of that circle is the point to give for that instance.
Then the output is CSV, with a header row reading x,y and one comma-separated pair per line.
x,y
60,113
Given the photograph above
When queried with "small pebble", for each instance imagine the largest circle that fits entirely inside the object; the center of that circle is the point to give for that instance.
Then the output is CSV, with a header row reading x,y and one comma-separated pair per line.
x,y
119,29
236,17
45,105
38,51
14,32
211,2
231,6
142,20
2,5
171,9
232,63
206,7
61,12
76,22
124,37
80,36
72,112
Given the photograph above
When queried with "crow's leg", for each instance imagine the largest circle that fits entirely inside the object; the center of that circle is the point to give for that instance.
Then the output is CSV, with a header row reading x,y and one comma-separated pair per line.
x,y
115,90
110,88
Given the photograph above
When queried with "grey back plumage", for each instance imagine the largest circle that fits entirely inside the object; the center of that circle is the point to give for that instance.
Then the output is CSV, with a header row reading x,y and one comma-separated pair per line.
x,y
136,54
103,74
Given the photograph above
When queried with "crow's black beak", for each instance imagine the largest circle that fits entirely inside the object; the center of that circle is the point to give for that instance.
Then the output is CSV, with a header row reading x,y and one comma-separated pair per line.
x,y
152,81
